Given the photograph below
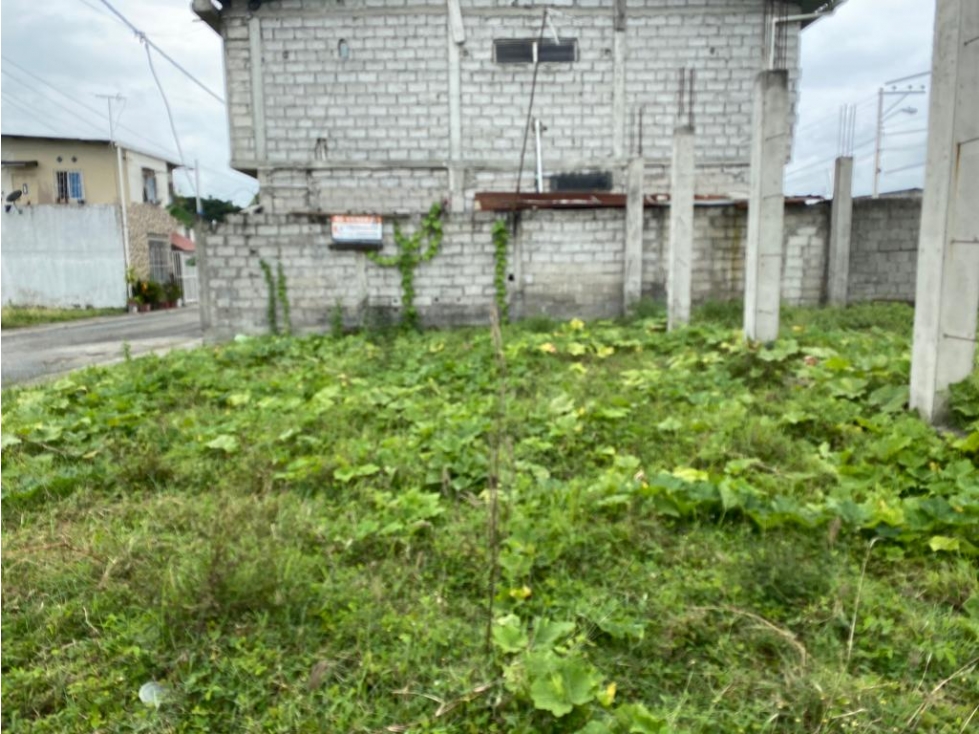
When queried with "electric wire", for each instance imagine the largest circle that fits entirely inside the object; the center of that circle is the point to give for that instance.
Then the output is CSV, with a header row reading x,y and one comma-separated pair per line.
x,y
173,127
67,109
28,111
824,161
145,39
904,168
231,175
819,121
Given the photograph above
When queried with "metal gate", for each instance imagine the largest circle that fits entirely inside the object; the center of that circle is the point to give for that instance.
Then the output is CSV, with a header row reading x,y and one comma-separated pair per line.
x,y
185,273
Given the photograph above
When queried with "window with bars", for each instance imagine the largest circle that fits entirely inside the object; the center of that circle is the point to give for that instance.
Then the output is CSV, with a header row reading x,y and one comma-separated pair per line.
x,y
159,260
521,50
149,186
69,186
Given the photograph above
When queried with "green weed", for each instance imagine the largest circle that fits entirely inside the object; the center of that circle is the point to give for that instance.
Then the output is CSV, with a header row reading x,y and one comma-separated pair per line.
x,y
691,535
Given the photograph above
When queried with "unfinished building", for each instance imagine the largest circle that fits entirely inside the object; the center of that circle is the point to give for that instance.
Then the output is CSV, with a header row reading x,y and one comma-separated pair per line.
x,y
375,109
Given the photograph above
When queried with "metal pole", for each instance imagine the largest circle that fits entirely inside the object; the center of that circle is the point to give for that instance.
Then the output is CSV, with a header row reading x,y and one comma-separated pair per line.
x,y
540,162
880,131
122,189
197,189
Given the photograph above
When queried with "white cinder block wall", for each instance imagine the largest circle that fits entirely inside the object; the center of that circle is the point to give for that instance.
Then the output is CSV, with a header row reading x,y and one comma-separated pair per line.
x,y
387,103
370,106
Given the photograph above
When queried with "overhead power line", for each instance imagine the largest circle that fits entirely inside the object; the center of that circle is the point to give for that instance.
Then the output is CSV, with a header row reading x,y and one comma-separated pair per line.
x,y
906,168
73,113
29,112
907,78
145,39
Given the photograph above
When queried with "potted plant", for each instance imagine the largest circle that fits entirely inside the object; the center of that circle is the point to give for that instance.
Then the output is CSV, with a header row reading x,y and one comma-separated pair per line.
x,y
132,295
172,293
153,294
142,296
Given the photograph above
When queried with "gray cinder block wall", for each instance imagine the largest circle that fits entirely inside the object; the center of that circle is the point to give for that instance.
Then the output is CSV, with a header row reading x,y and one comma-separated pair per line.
x,y
561,264
382,107
884,249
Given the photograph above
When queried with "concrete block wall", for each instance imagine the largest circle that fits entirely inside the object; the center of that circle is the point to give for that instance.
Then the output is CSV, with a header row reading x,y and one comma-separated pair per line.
x,y
298,108
562,264
884,249
572,263
724,45
573,101
804,254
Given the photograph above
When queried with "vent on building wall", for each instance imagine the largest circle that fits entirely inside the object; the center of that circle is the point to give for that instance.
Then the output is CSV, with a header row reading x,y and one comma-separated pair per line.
x,y
594,181
521,50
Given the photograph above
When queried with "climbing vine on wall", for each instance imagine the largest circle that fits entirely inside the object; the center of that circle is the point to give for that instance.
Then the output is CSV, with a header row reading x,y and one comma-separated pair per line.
x,y
282,292
270,307
501,240
420,247
278,295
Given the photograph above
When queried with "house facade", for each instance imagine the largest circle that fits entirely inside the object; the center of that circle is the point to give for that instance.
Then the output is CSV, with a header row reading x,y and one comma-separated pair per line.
x,y
73,186
382,107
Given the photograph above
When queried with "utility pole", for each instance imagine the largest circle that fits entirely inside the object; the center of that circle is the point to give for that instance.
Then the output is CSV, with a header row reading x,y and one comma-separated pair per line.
x,y
881,118
879,135
197,189
123,204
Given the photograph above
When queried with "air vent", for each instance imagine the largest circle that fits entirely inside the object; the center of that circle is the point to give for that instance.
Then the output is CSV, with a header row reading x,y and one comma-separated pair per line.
x,y
521,51
594,181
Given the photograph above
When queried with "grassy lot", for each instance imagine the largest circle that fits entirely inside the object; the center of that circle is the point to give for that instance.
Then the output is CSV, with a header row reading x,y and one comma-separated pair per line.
x,y
591,528
16,317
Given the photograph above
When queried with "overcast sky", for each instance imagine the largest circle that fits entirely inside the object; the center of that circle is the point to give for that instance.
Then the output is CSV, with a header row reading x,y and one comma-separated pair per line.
x,y
77,47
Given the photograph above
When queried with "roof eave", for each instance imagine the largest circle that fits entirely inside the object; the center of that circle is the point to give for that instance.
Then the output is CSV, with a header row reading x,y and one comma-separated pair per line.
x,y
209,13
825,7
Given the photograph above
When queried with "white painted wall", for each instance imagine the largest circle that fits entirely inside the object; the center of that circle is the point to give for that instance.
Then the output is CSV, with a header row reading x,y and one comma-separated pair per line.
x,y
134,164
63,256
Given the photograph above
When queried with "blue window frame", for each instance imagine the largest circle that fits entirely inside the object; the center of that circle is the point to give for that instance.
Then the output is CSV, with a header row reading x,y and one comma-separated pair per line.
x,y
75,189
70,186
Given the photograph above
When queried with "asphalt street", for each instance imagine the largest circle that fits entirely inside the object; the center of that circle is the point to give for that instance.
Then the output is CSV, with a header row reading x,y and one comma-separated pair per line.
x,y
42,351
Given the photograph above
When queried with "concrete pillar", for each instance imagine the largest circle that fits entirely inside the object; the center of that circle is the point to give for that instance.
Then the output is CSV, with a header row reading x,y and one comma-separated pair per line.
x,y
632,262
204,276
766,206
841,227
948,251
456,36
258,86
618,78
682,187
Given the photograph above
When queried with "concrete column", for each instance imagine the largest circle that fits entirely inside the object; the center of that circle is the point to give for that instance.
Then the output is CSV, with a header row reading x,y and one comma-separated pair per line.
x,y
456,36
766,206
204,276
632,262
682,187
618,79
841,226
948,251
258,86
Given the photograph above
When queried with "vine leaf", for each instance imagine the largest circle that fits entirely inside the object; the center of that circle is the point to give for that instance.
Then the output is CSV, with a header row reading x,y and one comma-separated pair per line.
x,y
564,684
224,442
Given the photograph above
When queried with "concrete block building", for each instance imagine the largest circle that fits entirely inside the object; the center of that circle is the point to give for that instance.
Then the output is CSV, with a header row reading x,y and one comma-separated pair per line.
x,y
382,107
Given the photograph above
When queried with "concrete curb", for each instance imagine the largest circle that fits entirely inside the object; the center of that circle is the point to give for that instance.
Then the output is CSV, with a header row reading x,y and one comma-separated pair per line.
x,y
96,320
194,343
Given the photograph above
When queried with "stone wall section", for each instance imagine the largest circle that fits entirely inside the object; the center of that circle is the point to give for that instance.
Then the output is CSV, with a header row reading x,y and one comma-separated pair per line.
x,y
145,220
